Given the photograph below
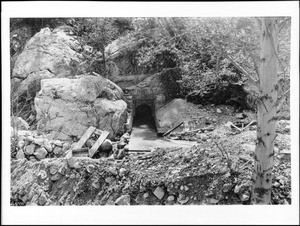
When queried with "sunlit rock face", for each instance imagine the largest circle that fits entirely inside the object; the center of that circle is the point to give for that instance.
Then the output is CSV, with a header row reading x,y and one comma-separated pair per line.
x,y
67,107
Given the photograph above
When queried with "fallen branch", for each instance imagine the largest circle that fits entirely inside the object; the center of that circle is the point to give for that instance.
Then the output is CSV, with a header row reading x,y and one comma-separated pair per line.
x,y
253,121
236,127
171,130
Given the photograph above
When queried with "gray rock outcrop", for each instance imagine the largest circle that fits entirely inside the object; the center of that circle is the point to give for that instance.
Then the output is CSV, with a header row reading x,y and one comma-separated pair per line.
x,y
67,107
47,54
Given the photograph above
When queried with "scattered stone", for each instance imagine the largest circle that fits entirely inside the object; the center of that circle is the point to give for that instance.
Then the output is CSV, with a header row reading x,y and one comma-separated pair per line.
x,y
32,158
182,199
237,189
39,141
122,172
244,197
215,120
71,162
109,180
29,138
171,198
159,192
123,200
62,170
42,174
146,195
186,188
42,200
40,153
29,150
113,171
21,144
77,165
20,154
90,168
57,151
106,146
203,136
55,177
47,146
211,155
227,187
213,201
53,169
281,181
58,143
219,111
65,147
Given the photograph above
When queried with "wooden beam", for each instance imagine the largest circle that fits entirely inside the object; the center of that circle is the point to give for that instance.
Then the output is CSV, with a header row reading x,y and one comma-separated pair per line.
x,y
170,131
80,150
139,151
85,137
100,140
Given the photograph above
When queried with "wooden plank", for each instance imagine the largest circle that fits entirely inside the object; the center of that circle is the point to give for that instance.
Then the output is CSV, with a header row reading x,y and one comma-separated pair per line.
x,y
95,147
85,137
170,131
98,132
80,150
81,154
139,151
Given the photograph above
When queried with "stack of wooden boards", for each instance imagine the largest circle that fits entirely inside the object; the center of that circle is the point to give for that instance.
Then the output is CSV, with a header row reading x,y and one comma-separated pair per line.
x,y
78,151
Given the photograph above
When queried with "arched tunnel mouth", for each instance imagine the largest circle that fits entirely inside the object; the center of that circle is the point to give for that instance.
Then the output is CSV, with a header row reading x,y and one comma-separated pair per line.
x,y
144,117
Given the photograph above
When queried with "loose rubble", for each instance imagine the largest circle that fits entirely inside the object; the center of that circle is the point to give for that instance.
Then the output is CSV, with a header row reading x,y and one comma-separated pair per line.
x,y
172,176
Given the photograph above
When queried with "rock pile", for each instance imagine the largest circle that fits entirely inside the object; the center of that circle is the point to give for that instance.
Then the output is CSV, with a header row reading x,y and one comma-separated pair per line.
x,y
34,147
120,149
174,176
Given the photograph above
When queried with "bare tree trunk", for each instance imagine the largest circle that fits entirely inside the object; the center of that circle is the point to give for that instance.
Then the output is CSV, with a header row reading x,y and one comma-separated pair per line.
x,y
266,115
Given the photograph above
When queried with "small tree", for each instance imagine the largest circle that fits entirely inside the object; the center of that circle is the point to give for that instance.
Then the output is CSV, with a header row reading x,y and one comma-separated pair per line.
x,y
267,105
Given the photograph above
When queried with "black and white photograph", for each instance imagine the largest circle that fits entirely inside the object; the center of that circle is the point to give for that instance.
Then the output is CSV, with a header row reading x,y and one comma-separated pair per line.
x,y
145,118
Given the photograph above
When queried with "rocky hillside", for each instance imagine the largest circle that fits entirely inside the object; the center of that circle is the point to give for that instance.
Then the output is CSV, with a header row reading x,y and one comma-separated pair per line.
x,y
211,172
91,73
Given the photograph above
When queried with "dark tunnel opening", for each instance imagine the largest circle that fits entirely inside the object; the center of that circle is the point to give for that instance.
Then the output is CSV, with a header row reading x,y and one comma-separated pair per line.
x,y
144,116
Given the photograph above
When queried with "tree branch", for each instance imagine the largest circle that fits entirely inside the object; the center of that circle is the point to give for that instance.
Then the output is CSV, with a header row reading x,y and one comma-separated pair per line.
x,y
281,25
251,79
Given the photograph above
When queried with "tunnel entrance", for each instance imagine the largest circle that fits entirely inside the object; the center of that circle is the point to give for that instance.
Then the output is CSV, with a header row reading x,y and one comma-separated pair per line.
x,y
144,117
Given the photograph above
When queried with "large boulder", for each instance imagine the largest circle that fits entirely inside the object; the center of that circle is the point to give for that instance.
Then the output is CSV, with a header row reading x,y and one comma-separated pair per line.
x,y
172,114
67,107
47,54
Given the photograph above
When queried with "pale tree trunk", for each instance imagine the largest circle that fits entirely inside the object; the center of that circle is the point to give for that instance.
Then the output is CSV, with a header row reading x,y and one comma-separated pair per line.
x,y
266,114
